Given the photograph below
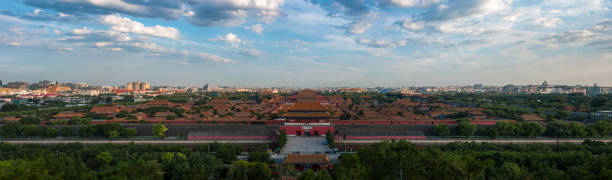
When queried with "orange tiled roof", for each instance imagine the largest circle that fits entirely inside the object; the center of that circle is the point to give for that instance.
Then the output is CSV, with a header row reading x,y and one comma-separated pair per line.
x,y
307,93
160,102
12,119
307,106
532,117
306,159
164,114
307,115
68,115
221,100
129,108
242,114
105,109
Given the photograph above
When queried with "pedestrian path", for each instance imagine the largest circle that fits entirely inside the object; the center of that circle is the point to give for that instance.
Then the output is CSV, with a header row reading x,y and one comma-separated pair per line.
x,y
305,145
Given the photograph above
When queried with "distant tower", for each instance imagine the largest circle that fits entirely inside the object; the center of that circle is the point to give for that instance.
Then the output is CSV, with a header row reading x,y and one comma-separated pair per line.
x,y
1,83
205,87
545,83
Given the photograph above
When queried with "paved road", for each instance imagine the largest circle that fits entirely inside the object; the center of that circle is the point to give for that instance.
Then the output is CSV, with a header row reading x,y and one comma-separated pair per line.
x,y
494,141
137,141
305,145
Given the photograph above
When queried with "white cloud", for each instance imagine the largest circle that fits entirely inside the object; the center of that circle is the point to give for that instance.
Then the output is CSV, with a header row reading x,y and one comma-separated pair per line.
x,y
257,28
379,43
546,22
412,25
357,27
231,12
411,3
251,52
123,24
230,38
466,8
572,37
111,40
209,57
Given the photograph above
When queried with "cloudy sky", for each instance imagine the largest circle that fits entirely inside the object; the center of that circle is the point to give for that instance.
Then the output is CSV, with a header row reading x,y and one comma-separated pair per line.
x,y
307,43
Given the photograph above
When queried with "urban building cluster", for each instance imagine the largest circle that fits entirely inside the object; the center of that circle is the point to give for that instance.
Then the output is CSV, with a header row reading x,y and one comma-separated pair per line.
x,y
46,87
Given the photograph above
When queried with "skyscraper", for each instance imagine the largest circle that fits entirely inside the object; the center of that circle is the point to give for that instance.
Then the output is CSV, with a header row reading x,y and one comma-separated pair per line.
x,y
205,87
138,85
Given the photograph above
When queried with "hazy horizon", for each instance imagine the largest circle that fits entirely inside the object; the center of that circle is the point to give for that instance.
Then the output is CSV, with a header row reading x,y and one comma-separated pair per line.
x,y
318,43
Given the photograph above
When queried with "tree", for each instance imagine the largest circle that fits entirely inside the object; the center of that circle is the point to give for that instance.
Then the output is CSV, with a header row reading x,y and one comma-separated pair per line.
x,y
532,129
242,170
603,128
466,129
599,102
87,131
331,140
104,158
113,134
282,139
345,116
10,130
48,132
159,130
9,107
442,130
323,175
577,130
507,171
128,132
123,114
493,132
307,175
259,171
66,132
259,156
29,130
350,167
29,120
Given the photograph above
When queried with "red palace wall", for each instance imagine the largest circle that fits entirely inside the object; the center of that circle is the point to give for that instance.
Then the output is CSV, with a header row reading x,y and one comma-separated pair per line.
x,y
228,137
293,130
414,122
382,137
276,122
268,122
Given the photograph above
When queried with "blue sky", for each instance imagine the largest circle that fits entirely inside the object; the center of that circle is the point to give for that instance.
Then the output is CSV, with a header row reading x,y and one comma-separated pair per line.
x,y
307,43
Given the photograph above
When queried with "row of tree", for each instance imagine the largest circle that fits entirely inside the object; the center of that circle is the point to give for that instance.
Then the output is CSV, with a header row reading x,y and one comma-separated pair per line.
x,y
402,160
331,140
601,128
108,161
12,130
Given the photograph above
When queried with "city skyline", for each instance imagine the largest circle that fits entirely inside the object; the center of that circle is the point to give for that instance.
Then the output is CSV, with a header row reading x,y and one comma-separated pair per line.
x,y
267,43
136,85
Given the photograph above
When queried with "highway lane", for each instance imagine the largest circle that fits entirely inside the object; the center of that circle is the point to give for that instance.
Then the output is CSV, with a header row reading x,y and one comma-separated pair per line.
x,y
420,141
494,141
159,142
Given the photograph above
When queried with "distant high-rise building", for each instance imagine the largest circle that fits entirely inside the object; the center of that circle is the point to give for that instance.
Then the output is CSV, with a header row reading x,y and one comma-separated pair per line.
x,y
205,87
1,83
80,85
18,85
138,85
